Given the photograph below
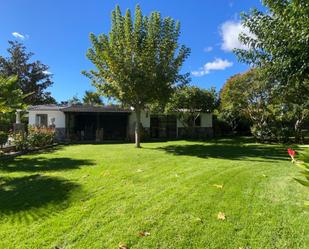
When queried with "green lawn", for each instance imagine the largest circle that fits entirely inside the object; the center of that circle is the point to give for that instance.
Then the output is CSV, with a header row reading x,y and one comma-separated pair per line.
x,y
96,196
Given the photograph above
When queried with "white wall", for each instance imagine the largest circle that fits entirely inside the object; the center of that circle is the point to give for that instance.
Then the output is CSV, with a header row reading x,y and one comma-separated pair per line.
x,y
59,117
206,120
145,119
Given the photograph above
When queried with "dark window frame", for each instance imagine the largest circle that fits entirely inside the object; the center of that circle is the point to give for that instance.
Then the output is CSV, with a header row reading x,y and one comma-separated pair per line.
x,y
41,120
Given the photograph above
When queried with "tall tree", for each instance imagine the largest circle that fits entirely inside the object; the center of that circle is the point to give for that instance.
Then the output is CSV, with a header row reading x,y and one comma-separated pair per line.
x,y
33,77
138,62
279,45
92,98
246,95
189,102
250,96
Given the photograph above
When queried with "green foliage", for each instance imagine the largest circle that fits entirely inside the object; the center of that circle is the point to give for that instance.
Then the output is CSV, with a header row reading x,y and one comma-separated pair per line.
x,y
11,97
3,138
92,98
33,78
189,102
39,137
304,166
138,62
251,96
20,141
74,101
279,46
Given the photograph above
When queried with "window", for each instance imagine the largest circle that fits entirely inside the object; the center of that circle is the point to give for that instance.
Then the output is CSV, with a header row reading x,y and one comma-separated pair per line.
x,y
41,120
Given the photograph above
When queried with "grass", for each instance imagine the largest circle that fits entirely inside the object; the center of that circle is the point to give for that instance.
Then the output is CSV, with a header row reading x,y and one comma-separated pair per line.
x,y
96,196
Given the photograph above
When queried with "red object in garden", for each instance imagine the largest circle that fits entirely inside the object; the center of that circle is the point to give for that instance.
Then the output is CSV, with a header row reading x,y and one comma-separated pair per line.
x,y
291,152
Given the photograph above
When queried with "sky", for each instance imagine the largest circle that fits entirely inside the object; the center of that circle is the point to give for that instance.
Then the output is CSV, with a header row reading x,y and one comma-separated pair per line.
x,y
57,32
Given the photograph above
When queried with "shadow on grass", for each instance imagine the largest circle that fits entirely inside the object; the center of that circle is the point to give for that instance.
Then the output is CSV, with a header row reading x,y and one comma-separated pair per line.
x,y
36,164
32,197
230,151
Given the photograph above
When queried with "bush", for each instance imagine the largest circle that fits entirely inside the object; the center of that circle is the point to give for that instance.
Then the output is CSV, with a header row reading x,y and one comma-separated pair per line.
x,y
40,137
20,140
36,138
261,132
3,137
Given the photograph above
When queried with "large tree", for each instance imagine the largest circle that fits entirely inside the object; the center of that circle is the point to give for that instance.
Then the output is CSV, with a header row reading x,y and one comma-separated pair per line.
x,y
252,97
92,98
189,102
246,95
138,62
33,77
279,45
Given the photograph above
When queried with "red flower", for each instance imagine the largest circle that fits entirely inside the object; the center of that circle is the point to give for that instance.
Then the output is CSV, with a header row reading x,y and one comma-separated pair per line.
x,y
291,152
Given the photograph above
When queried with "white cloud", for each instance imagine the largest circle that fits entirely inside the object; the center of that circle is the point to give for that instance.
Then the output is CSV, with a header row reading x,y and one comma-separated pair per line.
x,y
47,72
217,64
230,31
18,35
208,49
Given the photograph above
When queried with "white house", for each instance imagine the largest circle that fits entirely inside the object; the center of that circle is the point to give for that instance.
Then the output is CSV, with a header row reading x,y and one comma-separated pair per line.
x,y
81,122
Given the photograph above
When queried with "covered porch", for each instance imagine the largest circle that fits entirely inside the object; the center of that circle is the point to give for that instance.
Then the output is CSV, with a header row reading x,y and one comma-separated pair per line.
x,y
96,125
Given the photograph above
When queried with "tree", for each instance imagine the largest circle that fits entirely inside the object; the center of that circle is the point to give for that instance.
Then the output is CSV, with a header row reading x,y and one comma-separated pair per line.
x,y
74,101
189,102
248,96
279,44
33,78
92,98
11,97
138,62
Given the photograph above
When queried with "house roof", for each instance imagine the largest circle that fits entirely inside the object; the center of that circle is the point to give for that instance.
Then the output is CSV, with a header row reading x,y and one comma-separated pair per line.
x,y
51,107
79,108
88,108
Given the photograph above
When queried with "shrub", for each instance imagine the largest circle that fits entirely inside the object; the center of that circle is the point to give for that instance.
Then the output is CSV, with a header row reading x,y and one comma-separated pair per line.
x,y
3,138
40,137
20,140
37,137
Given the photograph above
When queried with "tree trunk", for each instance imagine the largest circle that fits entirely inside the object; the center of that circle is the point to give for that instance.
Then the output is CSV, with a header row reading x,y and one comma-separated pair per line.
x,y
137,128
297,129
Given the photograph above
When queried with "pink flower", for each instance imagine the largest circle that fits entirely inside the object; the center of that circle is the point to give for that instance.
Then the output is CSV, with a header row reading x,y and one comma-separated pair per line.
x,y
291,152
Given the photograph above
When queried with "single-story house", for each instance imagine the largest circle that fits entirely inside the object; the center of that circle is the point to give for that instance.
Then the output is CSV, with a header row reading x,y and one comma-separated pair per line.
x,y
98,123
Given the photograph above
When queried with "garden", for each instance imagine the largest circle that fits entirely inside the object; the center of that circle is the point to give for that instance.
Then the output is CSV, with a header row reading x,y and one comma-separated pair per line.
x,y
242,185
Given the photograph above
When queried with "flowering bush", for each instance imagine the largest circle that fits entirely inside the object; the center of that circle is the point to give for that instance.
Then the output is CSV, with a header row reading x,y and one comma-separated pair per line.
x,y
40,137
37,137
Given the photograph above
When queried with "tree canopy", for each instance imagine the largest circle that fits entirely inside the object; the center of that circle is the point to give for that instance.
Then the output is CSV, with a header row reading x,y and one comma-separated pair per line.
x,y
92,98
33,77
138,62
11,97
278,46
189,102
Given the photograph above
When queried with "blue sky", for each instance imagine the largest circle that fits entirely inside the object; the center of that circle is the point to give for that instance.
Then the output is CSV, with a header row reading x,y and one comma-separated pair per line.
x,y
57,31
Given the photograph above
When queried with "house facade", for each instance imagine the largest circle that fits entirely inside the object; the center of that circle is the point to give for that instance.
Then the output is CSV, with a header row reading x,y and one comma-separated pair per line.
x,y
101,123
